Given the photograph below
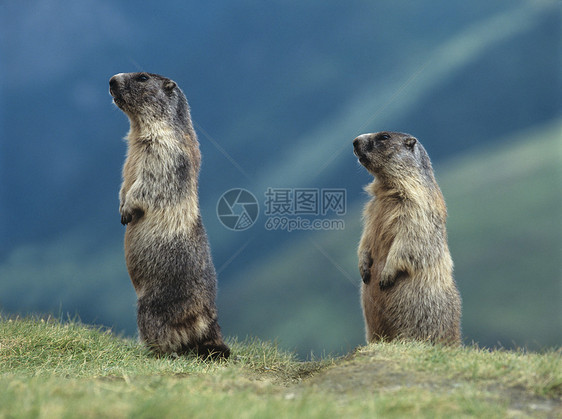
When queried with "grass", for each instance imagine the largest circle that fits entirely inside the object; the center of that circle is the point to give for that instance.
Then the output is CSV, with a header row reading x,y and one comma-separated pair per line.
x,y
57,369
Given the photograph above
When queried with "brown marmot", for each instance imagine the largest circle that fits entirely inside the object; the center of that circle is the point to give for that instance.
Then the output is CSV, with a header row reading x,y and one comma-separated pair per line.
x,y
408,289
166,246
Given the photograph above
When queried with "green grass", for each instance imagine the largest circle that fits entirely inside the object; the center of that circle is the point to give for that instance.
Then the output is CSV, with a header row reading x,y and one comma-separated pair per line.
x,y
65,369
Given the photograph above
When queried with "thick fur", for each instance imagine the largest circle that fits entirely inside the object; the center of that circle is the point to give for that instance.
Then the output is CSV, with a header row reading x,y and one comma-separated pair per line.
x,y
166,247
408,289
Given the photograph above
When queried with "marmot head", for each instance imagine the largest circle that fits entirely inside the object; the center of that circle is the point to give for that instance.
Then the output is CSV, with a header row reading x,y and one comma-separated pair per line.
x,y
392,155
146,97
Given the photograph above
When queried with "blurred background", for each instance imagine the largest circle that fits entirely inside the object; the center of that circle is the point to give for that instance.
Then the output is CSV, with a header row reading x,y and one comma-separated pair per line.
x,y
278,91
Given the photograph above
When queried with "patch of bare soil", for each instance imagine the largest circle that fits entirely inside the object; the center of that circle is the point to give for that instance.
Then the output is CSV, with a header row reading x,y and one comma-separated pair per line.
x,y
361,375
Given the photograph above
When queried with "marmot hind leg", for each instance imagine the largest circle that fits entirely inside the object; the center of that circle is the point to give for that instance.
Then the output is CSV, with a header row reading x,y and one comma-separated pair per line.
x,y
210,346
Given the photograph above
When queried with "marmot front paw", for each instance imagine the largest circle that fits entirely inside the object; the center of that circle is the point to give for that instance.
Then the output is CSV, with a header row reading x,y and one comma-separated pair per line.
x,y
388,276
128,215
365,268
126,218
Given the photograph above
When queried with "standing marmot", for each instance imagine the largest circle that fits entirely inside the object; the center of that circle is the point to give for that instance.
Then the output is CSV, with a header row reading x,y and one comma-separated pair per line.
x,y
166,246
408,288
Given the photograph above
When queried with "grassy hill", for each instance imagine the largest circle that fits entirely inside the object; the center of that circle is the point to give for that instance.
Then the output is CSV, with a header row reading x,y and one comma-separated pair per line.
x,y
53,369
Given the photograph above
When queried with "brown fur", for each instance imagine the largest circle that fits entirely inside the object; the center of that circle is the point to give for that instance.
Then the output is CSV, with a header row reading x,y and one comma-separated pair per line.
x,y
166,247
408,288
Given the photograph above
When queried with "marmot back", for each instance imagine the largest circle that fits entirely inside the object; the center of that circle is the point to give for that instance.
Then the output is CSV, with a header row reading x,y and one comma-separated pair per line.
x,y
408,289
166,247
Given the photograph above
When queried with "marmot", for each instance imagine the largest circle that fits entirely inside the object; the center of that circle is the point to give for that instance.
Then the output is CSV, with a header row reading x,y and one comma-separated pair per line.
x,y
408,290
166,246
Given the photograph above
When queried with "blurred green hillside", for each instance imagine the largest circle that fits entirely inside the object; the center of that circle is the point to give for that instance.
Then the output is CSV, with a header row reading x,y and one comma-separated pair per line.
x,y
278,90
505,237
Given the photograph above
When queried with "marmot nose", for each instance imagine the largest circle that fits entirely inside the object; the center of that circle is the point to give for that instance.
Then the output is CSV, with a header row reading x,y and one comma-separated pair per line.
x,y
114,86
356,143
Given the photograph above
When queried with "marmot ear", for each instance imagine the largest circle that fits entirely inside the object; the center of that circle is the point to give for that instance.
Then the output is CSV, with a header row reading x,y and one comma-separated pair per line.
x,y
410,142
169,85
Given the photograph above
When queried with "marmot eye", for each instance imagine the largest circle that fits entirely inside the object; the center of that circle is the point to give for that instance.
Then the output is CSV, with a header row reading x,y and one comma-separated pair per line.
x,y
142,77
384,137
